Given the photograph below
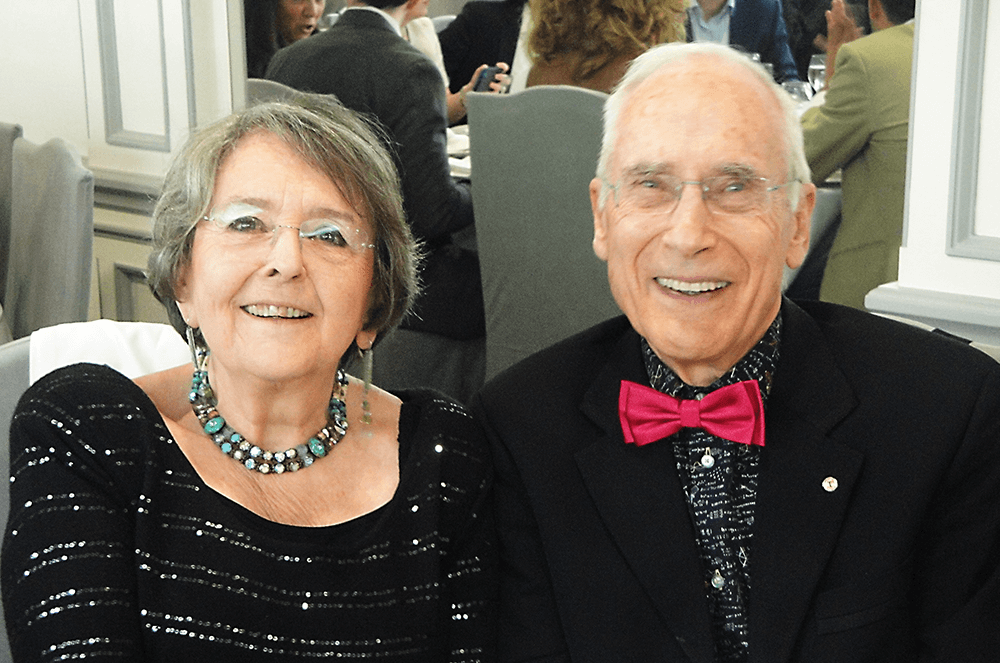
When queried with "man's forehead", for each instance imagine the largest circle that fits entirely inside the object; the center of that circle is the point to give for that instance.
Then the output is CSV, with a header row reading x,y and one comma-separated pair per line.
x,y
701,107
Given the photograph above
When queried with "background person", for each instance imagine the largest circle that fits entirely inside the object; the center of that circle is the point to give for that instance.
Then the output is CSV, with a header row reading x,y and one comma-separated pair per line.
x,y
589,43
365,63
721,474
754,26
863,127
484,31
273,24
261,504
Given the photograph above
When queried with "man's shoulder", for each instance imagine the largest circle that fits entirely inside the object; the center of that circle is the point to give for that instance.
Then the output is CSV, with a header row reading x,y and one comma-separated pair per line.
x,y
758,9
898,38
863,345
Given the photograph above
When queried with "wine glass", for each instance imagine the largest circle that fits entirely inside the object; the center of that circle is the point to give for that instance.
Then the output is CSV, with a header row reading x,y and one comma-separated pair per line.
x,y
817,71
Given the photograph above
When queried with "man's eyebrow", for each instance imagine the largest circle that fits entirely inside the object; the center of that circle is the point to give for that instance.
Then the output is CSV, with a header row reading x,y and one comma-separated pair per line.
x,y
645,168
738,169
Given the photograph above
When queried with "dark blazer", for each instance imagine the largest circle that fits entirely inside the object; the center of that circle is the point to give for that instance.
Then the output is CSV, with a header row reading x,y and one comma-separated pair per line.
x,y
757,26
484,32
373,70
898,562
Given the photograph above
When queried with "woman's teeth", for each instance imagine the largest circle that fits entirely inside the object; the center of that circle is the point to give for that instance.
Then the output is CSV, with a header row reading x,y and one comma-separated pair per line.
x,y
265,311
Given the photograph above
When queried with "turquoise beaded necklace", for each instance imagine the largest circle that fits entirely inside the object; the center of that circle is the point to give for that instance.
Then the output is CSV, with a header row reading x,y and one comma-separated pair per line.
x,y
252,456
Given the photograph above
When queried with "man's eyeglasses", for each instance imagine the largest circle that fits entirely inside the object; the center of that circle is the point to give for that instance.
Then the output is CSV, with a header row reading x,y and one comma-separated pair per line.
x,y
730,193
243,226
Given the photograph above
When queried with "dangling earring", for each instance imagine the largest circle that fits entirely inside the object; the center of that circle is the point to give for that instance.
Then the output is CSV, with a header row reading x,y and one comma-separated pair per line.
x,y
198,347
366,375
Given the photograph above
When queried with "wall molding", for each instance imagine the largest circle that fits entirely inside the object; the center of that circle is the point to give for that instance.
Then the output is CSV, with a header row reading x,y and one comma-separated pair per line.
x,y
968,316
115,132
962,240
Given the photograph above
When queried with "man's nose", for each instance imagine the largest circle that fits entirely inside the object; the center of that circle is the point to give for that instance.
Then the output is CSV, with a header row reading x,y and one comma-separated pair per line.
x,y
689,228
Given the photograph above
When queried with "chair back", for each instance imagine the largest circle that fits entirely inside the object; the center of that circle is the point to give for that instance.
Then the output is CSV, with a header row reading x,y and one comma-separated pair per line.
x,y
260,90
51,237
8,134
14,369
533,155
442,22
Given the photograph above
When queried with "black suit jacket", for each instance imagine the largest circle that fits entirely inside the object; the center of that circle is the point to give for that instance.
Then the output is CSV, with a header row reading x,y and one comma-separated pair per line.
x,y
484,32
371,69
898,563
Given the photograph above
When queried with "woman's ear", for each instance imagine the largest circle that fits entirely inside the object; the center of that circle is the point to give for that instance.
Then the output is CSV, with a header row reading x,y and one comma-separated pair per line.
x,y
183,299
365,339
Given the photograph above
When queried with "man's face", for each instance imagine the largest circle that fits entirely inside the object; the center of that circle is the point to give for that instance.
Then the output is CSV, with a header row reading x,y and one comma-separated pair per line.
x,y
700,286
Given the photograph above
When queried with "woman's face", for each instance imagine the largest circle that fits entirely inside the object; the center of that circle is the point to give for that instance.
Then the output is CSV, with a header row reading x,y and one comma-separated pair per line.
x,y
297,19
272,304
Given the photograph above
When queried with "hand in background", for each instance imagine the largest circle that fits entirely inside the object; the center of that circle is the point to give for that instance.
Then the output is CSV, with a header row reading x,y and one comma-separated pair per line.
x,y
840,29
456,102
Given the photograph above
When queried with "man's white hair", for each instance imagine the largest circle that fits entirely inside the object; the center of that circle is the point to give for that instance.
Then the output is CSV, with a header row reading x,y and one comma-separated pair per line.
x,y
664,55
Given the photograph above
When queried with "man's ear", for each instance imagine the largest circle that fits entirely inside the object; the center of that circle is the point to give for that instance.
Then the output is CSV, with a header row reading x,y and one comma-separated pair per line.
x,y
801,221
600,219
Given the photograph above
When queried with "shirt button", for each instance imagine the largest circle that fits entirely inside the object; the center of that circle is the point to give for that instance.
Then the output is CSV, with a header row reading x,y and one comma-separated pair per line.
x,y
830,484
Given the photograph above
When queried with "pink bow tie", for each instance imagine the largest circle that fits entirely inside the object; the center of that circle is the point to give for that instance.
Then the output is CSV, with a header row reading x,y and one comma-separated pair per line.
x,y
735,413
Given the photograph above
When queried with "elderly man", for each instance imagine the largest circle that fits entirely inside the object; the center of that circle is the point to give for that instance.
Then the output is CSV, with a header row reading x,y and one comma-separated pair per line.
x,y
721,475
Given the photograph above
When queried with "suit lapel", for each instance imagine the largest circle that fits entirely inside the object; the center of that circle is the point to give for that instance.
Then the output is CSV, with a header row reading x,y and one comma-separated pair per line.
x,y
798,515
641,501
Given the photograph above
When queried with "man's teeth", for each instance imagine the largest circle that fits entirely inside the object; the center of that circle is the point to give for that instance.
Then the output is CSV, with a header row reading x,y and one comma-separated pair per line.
x,y
691,288
264,311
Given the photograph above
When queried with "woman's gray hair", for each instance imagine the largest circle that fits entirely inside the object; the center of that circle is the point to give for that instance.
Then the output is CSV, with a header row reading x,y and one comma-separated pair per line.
x,y
336,141
656,59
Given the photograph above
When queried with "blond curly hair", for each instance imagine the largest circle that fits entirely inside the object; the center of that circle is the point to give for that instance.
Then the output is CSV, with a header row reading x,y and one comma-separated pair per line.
x,y
601,30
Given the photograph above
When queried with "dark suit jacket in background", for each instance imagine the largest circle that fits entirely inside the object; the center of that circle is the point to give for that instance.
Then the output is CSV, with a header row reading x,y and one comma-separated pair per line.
x,y
373,70
484,32
599,556
757,26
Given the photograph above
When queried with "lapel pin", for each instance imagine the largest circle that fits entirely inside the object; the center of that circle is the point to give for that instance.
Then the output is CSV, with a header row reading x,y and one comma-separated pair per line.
x,y
830,484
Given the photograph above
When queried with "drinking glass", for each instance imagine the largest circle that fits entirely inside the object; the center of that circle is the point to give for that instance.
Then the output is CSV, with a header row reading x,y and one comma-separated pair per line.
x,y
817,71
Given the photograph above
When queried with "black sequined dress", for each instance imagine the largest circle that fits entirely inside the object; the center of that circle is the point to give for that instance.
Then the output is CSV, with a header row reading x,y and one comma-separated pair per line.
x,y
116,550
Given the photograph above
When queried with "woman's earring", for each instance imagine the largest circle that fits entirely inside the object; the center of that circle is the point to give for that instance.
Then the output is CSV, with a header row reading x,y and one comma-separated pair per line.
x,y
366,374
198,347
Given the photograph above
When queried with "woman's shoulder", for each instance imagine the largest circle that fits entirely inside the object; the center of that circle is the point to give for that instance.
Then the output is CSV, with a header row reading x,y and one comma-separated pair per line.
x,y
433,423
91,404
84,384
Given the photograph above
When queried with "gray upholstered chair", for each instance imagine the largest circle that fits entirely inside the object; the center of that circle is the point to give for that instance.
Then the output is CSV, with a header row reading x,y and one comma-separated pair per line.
x,y
534,154
14,369
8,134
442,22
260,90
51,237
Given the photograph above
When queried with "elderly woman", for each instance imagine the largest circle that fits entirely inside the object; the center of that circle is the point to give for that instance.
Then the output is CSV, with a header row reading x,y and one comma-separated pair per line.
x,y
589,43
261,504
